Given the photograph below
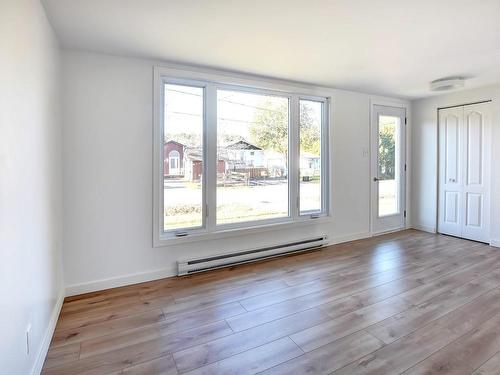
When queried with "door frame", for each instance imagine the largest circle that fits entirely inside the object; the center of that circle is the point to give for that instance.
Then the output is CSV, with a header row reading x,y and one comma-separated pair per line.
x,y
407,143
438,162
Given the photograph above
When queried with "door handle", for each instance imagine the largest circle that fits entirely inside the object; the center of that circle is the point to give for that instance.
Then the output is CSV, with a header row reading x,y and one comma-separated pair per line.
x,y
375,179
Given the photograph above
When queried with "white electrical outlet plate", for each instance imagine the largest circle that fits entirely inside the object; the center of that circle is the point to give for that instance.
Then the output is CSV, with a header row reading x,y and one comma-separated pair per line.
x,y
28,334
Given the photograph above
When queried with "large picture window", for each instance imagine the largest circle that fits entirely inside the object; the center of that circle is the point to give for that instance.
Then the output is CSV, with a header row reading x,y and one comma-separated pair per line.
x,y
236,157
252,157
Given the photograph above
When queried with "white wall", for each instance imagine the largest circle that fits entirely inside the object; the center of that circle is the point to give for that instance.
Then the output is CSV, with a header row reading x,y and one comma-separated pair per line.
x,y
425,158
30,185
108,176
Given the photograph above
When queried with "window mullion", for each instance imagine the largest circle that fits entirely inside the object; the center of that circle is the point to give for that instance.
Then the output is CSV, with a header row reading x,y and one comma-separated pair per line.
x,y
210,162
293,169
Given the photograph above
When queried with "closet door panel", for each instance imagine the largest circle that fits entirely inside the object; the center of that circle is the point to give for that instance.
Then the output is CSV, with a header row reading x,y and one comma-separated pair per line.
x,y
451,144
474,123
450,171
451,206
476,168
474,206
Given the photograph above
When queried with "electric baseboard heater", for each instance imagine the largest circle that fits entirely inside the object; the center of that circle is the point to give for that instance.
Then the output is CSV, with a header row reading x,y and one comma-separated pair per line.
x,y
195,265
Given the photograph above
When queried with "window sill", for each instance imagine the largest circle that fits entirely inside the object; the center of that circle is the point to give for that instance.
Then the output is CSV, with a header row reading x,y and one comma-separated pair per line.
x,y
166,240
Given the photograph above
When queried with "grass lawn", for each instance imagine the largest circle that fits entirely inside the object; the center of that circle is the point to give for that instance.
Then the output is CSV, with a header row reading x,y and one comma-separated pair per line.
x,y
234,203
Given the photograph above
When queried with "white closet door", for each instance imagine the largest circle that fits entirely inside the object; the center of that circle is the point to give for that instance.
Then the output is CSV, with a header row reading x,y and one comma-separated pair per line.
x,y
464,171
476,171
450,171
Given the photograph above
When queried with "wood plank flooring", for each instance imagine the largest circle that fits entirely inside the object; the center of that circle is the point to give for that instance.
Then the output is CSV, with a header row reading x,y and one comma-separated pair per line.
x,y
404,303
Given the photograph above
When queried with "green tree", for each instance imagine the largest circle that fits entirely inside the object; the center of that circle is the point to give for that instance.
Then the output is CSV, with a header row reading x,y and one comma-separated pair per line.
x,y
310,130
226,139
386,150
269,129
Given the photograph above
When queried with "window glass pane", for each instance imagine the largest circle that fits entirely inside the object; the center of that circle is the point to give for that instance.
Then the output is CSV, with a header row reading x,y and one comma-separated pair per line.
x,y
388,162
311,114
252,162
183,157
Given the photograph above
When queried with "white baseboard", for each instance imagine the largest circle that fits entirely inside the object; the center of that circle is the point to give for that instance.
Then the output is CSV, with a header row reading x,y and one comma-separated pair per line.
x,y
382,233
114,282
47,338
424,228
495,243
349,238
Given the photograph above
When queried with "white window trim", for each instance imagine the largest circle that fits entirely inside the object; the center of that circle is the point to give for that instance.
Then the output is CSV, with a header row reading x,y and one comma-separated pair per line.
x,y
213,80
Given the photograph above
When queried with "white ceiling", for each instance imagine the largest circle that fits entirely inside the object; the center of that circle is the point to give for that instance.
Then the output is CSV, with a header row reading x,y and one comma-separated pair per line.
x,y
392,47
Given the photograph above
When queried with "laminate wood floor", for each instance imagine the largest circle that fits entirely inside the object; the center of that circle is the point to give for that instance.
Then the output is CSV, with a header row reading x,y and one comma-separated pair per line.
x,y
410,302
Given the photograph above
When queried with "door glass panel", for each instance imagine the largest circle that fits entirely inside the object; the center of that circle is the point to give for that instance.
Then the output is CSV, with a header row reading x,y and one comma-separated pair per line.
x,y
252,157
183,157
388,165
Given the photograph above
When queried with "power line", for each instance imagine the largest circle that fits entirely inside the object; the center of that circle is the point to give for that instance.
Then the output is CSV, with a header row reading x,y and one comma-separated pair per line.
x,y
230,101
184,92
251,106
183,113
218,118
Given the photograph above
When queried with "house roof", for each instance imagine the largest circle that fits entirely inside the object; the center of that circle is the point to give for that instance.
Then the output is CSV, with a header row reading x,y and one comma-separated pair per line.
x,y
177,143
195,154
242,145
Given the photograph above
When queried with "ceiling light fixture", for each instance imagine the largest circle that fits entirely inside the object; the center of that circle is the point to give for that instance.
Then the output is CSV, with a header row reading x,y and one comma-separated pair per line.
x,y
449,83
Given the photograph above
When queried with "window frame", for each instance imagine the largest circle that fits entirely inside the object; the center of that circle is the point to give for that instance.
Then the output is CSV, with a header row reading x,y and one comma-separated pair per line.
x,y
325,136
200,228
211,82
266,92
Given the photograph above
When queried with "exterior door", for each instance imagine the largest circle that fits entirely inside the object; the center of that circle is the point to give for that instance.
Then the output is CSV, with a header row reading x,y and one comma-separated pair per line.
x,y
464,171
388,165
